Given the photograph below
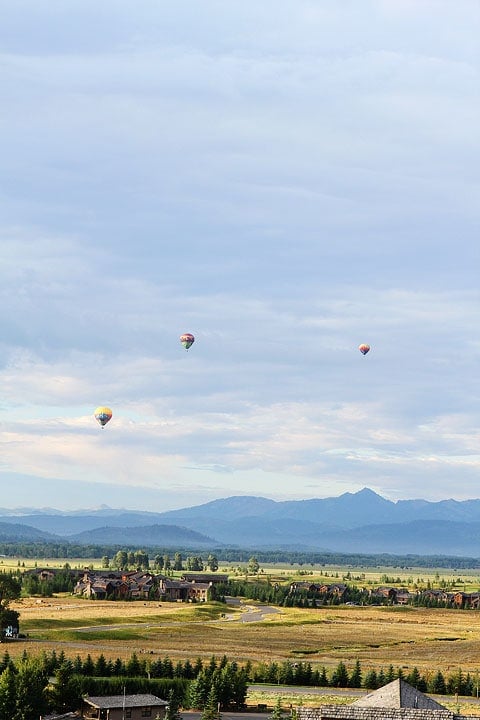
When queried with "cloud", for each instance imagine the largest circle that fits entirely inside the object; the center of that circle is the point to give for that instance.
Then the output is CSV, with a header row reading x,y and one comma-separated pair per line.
x,y
285,182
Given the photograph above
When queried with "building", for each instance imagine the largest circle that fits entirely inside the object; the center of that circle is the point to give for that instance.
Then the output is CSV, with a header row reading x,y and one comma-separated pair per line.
x,y
123,707
396,701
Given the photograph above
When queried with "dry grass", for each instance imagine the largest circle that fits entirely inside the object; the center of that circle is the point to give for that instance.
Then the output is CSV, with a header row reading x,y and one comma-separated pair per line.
x,y
429,639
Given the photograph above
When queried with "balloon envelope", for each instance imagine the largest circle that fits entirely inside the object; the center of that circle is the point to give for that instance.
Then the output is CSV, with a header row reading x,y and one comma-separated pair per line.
x,y
364,348
103,415
187,340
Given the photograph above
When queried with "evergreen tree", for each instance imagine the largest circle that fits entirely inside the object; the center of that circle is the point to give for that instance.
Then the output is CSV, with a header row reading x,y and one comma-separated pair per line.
x,y
8,693
173,709
133,667
210,710
88,666
413,678
390,676
198,690
118,668
277,713
188,670
30,686
456,683
355,680
101,666
340,676
323,679
371,680
66,694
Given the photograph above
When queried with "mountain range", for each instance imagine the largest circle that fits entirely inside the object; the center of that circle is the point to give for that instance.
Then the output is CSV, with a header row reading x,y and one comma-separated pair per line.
x,y
361,522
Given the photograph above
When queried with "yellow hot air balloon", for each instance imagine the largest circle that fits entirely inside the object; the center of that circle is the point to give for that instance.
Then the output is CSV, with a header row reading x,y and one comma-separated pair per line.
x,y
103,415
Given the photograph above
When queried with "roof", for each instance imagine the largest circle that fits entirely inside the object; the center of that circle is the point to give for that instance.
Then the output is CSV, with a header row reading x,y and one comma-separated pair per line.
x,y
398,694
128,701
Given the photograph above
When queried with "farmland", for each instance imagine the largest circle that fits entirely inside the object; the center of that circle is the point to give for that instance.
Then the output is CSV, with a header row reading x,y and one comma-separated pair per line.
x,y
377,636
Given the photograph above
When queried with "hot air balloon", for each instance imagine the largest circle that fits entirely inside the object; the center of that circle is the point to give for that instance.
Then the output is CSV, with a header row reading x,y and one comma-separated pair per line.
x,y
364,348
103,415
187,340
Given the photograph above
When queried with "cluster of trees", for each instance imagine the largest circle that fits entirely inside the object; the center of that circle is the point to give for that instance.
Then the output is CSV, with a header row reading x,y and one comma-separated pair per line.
x,y
282,595
234,555
139,559
26,690
10,589
302,673
63,581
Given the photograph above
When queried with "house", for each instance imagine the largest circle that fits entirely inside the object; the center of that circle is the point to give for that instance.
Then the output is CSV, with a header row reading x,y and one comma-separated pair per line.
x,y
198,592
213,578
437,596
460,599
388,594
403,596
396,701
123,707
303,586
173,589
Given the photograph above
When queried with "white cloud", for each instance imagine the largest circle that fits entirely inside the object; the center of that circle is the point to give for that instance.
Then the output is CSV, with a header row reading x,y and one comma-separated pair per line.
x,y
284,181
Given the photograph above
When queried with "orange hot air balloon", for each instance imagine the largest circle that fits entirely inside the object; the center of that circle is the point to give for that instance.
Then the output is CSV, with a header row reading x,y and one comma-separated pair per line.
x,y
103,415
364,348
187,340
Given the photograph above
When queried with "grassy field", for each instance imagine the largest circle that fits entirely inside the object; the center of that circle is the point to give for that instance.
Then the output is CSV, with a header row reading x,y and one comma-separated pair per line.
x,y
406,637
429,639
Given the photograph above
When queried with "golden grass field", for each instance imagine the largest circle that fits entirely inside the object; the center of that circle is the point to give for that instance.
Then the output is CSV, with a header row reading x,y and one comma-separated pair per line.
x,y
429,639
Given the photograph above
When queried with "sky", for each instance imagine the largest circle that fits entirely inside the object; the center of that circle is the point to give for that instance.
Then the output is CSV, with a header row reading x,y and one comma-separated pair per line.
x,y
286,180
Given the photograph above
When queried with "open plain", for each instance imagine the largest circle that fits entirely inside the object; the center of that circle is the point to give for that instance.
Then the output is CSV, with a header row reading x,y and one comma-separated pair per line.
x,y
430,639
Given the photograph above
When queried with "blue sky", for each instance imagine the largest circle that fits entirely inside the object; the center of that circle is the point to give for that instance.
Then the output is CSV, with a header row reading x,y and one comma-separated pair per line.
x,y
285,180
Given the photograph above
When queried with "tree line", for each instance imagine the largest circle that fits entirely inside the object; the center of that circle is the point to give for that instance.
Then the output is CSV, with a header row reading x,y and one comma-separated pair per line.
x,y
30,549
26,689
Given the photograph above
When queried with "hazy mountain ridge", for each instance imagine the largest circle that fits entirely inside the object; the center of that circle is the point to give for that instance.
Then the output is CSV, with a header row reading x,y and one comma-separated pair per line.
x,y
351,523
147,535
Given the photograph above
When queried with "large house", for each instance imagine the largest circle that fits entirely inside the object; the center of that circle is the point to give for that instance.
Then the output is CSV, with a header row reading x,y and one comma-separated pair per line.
x,y
102,585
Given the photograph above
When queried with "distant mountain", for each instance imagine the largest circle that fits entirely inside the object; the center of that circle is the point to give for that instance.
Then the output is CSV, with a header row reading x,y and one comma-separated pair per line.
x,y
16,532
145,536
67,524
353,522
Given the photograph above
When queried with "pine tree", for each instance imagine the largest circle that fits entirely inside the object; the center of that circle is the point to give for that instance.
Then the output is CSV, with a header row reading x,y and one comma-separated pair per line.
x,y
8,693
371,680
323,679
101,666
88,667
413,678
277,713
30,685
390,676
173,708
210,710
66,694
356,676
340,676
